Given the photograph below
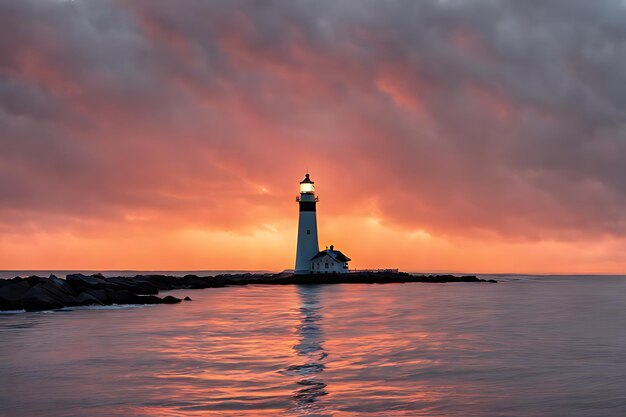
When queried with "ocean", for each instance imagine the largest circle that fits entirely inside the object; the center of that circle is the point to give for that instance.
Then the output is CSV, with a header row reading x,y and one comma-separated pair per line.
x,y
527,346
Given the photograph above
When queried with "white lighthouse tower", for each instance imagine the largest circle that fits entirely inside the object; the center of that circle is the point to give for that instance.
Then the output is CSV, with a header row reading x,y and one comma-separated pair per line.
x,y
308,246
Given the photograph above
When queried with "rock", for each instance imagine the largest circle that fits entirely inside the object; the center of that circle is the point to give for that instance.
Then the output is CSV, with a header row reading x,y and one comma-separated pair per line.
x,y
194,282
187,299
166,283
84,280
49,294
136,285
38,298
14,291
58,285
171,300
124,297
149,299
11,294
86,299
34,280
30,292
100,295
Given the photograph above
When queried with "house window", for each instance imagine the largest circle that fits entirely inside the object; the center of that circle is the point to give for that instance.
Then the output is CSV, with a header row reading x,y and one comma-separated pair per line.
x,y
308,231
326,265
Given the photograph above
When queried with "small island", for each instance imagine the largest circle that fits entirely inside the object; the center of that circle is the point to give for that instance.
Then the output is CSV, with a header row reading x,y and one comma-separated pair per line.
x,y
36,293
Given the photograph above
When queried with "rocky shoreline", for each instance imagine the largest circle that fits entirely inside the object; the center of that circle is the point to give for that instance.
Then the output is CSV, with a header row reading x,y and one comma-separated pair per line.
x,y
39,293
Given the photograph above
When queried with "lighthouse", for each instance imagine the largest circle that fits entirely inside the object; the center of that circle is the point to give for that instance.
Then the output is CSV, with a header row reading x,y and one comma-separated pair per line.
x,y
308,245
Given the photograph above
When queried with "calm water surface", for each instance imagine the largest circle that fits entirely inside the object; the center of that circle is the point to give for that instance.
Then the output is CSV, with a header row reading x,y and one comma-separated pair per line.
x,y
525,347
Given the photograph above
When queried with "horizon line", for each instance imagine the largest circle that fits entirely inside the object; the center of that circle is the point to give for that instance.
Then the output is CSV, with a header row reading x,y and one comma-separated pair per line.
x,y
547,274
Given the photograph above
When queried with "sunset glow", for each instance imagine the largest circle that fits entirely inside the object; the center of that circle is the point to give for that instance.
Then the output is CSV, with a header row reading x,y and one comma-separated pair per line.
x,y
440,136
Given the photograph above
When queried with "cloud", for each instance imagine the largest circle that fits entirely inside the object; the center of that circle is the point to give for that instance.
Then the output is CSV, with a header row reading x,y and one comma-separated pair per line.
x,y
460,119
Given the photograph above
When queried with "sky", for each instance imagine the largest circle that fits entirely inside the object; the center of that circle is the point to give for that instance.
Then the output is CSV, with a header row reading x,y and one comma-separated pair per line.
x,y
462,136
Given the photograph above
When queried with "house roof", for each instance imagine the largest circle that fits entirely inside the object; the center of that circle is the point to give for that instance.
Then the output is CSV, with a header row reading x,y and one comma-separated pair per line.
x,y
334,254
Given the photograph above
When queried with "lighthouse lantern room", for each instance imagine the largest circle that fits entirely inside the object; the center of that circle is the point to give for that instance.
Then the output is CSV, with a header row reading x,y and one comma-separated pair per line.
x,y
306,186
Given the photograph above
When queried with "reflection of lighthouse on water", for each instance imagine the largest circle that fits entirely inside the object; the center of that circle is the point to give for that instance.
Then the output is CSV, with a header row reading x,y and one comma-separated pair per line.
x,y
309,349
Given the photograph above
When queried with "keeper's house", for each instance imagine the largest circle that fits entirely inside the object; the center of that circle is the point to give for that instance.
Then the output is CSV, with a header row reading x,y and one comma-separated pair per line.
x,y
329,260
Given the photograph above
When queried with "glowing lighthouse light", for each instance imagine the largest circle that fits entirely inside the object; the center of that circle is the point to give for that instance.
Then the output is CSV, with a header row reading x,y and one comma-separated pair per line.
x,y
306,186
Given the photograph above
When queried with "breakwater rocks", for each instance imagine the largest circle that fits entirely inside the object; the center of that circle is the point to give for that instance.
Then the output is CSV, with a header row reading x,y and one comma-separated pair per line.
x,y
38,293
